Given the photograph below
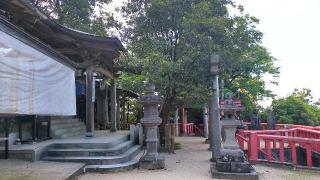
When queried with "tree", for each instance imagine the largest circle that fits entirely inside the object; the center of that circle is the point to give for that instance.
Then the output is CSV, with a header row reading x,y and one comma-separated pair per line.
x,y
84,15
297,109
172,41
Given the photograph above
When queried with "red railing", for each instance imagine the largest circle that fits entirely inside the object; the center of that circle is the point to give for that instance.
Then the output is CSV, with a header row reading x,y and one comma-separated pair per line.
x,y
264,141
190,130
264,126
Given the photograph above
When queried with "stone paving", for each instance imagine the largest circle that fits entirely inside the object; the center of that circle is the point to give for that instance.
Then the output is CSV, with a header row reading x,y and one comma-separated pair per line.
x,y
24,170
192,163
189,163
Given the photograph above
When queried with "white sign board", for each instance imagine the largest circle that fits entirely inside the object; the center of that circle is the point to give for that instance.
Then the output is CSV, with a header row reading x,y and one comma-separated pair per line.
x,y
32,82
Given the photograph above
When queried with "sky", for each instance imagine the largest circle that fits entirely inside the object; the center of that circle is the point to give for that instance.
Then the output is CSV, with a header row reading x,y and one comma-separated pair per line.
x,y
292,34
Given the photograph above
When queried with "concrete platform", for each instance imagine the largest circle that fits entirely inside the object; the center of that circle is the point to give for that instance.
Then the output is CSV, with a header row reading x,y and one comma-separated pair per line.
x,y
41,170
32,152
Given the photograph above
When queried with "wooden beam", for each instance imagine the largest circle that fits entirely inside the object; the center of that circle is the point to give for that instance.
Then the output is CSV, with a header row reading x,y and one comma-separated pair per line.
x,y
105,72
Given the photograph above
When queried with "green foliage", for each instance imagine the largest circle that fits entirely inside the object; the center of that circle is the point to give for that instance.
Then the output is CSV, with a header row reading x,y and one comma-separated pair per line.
x,y
297,109
85,15
172,41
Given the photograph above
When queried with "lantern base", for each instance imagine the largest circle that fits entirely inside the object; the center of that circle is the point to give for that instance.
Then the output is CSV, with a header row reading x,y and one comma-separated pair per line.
x,y
152,162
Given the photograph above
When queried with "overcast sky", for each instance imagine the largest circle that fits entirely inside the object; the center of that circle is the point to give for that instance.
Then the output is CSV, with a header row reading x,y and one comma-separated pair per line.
x,y
292,34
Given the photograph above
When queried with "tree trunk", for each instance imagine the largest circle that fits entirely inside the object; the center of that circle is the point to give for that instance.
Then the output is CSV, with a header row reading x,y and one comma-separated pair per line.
x,y
165,114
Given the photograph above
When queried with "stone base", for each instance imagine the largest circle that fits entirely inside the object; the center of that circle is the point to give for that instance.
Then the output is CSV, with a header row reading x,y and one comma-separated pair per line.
x,y
236,167
252,175
89,134
152,163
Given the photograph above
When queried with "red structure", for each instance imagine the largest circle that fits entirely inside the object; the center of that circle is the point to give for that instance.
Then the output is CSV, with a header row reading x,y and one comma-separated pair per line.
x,y
285,137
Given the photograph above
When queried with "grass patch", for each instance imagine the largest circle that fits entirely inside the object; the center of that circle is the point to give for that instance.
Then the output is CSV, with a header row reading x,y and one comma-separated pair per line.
x,y
176,146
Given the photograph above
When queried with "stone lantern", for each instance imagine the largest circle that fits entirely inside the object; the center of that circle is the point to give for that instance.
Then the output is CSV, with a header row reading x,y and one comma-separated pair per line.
x,y
150,122
232,163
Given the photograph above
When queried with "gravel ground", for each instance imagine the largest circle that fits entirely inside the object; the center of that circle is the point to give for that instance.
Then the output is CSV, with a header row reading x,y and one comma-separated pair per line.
x,y
192,162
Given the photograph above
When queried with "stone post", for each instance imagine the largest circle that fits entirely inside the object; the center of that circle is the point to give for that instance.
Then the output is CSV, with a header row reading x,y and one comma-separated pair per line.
x,y
90,88
205,122
215,112
176,120
113,106
150,122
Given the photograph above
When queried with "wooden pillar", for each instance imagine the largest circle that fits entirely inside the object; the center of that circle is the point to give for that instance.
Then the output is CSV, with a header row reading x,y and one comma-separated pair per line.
x,y
89,103
128,110
113,105
123,114
100,112
6,146
106,106
118,113
183,121
205,122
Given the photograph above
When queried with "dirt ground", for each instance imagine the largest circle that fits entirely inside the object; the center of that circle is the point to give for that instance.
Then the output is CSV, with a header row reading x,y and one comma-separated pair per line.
x,y
191,162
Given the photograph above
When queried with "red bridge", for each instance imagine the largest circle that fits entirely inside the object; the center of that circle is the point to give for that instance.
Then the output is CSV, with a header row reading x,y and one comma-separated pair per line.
x,y
296,145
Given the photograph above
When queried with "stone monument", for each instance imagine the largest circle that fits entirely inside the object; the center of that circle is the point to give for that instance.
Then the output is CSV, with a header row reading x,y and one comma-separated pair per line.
x,y
271,120
232,163
150,122
255,121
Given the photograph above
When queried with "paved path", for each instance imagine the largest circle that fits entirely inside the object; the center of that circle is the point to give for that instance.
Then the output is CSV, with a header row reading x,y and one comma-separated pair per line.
x,y
189,163
192,163
12,169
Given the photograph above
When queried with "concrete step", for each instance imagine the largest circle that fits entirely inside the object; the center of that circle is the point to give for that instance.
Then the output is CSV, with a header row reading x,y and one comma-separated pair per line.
x,y
133,163
64,121
91,145
78,152
79,133
68,130
66,125
100,160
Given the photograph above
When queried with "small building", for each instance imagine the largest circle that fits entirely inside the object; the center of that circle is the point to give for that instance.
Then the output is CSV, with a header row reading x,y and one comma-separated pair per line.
x,y
55,82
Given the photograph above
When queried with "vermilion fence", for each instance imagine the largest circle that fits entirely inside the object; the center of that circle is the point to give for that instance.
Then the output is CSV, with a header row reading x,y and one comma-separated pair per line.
x,y
263,141
263,126
190,129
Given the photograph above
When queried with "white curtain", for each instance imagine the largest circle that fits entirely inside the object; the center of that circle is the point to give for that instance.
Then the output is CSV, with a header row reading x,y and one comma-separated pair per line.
x,y
33,83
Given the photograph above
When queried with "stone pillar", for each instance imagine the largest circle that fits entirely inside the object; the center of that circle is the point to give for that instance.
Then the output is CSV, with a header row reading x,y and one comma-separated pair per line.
x,y
215,111
118,114
215,121
205,122
151,121
176,120
113,106
90,88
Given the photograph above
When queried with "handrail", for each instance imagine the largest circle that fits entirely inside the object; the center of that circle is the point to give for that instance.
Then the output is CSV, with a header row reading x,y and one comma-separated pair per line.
x,y
308,139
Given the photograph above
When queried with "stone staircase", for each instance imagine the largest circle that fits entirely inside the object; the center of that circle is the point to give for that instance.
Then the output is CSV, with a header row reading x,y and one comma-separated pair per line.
x,y
66,127
118,154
